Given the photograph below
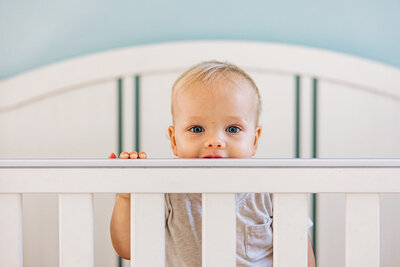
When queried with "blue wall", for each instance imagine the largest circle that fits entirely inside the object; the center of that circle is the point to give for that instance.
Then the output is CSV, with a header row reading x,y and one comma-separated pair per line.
x,y
37,33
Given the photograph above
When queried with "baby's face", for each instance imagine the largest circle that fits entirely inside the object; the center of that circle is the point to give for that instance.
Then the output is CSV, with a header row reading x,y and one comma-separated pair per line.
x,y
215,123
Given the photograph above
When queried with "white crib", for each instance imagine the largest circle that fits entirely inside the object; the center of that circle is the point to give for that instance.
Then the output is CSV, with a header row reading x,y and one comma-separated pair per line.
x,y
218,180
315,104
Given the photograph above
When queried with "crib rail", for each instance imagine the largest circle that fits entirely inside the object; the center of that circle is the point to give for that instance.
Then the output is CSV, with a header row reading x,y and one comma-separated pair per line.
x,y
290,180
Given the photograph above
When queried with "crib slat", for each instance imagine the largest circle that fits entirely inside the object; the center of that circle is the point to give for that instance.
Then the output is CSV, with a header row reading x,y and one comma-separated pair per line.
x,y
219,230
128,112
10,230
290,230
147,230
362,230
76,230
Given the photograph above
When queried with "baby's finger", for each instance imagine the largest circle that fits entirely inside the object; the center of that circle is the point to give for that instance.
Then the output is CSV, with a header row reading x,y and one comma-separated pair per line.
x,y
142,155
133,155
124,155
112,156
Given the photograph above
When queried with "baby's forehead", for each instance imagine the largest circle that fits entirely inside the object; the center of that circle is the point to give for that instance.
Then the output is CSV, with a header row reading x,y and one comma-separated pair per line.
x,y
230,86
219,85
215,107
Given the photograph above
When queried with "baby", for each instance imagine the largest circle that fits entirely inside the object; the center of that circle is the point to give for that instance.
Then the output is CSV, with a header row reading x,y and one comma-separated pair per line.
x,y
215,111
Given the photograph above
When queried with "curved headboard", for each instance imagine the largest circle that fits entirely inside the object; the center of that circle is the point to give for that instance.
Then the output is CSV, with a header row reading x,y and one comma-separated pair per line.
x,y
253,56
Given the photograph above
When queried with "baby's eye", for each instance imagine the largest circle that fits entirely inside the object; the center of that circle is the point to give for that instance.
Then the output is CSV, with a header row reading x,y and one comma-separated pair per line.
x,y
197,129
232,129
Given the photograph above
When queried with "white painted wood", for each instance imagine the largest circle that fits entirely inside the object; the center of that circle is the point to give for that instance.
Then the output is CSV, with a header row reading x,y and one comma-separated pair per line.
x,y
277,118
261,163
306,117
354,123
155,108
190,179
128,113
76,230
374,117
306,134
362,230
72,124
290,230
147,230
218,230
76,123
69,124
331,175
161,57
11,230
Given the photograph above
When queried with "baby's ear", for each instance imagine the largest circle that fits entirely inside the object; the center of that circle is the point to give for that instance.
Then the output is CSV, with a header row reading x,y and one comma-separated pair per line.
x,y
257,134
171,133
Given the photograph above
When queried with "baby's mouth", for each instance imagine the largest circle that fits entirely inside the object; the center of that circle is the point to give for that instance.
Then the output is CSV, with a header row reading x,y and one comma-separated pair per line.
x,y
212,157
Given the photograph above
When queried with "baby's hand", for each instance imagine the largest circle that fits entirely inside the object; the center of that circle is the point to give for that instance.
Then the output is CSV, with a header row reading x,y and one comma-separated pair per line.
x,y
126,155
131,155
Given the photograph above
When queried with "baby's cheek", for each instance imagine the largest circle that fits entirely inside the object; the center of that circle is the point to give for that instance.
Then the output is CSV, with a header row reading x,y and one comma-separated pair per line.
x,y
187,151
236,152
246,150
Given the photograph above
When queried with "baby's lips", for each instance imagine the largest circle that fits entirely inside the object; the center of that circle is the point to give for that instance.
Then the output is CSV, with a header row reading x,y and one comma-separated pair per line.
x,y
112,156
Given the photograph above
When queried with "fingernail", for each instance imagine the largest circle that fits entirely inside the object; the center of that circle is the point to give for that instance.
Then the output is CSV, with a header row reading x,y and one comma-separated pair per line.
x,y
133,155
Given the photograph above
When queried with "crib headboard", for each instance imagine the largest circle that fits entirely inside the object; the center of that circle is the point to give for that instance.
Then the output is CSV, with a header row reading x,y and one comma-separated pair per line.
x,y
170,57
120,81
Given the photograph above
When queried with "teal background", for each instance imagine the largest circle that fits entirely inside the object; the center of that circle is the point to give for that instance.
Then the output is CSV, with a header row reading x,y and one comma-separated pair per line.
x,y
37,33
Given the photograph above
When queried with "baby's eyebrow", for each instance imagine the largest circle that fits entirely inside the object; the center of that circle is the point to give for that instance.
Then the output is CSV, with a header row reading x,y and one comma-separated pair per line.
x,y
236,118
232,118
202,119
195,118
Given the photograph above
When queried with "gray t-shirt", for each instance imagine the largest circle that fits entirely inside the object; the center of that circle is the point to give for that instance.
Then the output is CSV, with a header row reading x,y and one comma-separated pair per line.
x,y
253,230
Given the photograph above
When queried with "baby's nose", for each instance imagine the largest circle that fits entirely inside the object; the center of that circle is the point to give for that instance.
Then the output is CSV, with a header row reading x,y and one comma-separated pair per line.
x,y
215,143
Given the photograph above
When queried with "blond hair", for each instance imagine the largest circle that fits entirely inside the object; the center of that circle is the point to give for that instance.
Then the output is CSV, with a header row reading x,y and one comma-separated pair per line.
x,y
208,72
